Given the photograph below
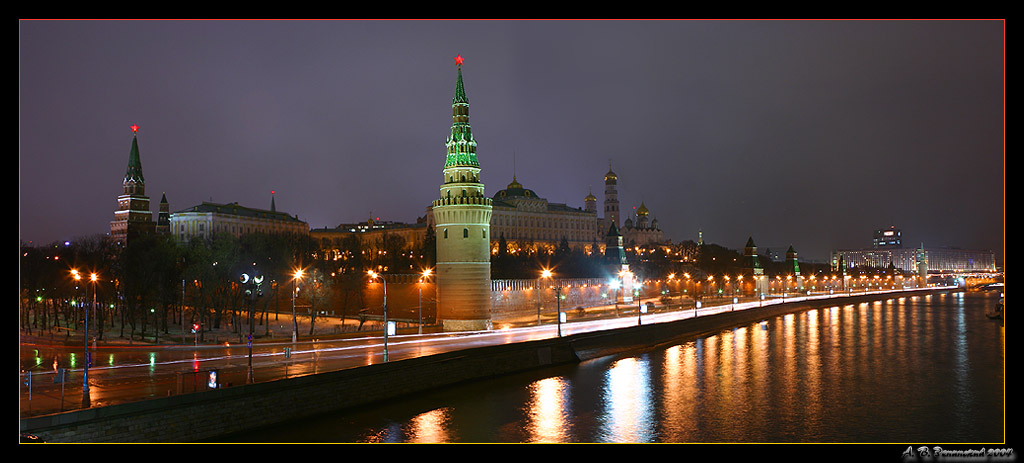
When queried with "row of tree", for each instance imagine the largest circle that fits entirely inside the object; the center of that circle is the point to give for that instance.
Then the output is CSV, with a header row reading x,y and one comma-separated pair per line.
x,y
152,284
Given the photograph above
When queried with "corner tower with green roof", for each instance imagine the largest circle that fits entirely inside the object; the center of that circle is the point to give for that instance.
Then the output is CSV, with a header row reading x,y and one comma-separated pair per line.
x,y
793,268
753,265
132,216
462,217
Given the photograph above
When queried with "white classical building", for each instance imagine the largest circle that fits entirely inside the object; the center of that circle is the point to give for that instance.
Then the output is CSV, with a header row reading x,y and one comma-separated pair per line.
x,y
208,219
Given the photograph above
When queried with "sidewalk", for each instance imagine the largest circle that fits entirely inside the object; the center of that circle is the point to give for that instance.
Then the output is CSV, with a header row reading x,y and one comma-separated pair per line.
x,y
279,330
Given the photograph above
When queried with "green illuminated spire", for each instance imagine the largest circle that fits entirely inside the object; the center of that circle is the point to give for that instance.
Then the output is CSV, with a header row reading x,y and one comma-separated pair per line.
x,y
460,90
791,260
461,145
134,173
750,256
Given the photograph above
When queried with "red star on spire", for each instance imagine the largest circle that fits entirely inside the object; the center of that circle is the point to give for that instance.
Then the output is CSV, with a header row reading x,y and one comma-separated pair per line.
x,y
459,59
135,128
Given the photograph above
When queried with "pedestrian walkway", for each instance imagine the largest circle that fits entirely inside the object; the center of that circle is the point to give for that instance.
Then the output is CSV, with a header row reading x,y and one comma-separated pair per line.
x,y
279,328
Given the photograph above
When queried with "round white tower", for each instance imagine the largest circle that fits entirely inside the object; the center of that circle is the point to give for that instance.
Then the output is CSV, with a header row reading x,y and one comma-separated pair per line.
x,y
462,217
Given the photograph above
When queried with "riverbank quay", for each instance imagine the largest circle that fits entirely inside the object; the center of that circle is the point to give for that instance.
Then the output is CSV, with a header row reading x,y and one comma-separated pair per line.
x,y
202,416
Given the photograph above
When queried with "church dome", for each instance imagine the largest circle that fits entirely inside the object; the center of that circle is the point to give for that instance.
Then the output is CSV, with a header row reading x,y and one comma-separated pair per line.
x,y
515,189
642,211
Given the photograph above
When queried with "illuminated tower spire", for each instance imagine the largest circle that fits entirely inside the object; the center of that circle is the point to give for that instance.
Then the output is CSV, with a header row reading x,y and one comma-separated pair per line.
x,y
462,216
753,265
132,215
134,182
163,218
793,266
460,143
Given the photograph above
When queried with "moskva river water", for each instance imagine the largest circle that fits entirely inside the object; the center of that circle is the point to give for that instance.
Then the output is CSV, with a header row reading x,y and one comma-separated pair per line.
x,y
920,369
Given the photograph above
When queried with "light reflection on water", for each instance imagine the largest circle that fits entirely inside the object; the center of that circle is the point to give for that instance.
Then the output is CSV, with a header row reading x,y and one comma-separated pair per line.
x,y
924,369
546,412
628,414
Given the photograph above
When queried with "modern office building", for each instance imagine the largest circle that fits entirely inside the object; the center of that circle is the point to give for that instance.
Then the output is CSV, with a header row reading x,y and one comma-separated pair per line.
x,y
917,260
888,238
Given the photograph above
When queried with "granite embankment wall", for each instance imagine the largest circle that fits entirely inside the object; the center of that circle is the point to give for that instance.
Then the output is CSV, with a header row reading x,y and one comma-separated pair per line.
x,y
205,415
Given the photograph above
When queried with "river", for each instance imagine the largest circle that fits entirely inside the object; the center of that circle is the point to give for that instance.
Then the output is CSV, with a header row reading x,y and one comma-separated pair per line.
x,y
914,369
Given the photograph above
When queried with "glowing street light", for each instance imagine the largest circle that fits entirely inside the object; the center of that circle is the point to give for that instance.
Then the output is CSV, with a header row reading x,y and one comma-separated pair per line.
x,y
558,300
85,371
85,375
297,276
639,303
92,278
374,275
425,275
254,281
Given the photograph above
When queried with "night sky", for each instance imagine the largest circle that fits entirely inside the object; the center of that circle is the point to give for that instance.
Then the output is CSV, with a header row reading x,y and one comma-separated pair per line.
x,y
804,133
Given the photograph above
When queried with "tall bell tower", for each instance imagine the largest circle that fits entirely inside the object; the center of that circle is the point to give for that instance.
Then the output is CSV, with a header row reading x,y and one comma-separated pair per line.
x,y
462,217
611,198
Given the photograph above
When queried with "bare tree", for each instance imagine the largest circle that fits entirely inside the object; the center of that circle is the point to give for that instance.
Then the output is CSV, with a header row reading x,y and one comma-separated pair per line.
x,y
319,292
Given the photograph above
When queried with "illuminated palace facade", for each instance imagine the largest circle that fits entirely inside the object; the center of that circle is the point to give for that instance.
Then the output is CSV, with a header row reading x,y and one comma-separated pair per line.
x,y
528,223
372,236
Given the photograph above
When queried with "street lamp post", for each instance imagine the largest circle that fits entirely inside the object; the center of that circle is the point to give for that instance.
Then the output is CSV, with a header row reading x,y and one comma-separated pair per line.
x,y
85,375
374,275
558,307
639,305
671,280
254,282
183,311
419,302
615,284
92,277
558,302
295,289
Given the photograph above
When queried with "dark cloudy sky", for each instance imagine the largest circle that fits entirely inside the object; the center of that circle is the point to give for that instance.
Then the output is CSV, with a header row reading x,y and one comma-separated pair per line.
x,y
803,133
